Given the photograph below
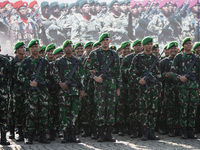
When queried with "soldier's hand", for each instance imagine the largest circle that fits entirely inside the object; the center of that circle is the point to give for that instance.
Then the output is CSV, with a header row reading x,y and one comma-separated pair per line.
x,y
118,92
63,85
98,79
183,78
33,83
82,94
168,75
142,81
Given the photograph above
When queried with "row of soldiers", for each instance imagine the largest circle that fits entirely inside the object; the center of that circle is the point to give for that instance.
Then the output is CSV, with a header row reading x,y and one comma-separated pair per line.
x,y
86,20
56,89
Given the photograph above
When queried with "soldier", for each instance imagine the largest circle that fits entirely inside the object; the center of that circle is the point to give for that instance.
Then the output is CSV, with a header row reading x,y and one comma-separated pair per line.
x,y
185,69
96,45
58,52
49,50
69,69
123,7
166,52
28,52
156,50
148,87
104,7
92,7
79,49
17,91
105,63
42,50
34,72
4,93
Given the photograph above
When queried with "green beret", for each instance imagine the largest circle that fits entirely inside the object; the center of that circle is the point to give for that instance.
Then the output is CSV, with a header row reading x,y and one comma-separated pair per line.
x,y
196,45
28,50
78,44
57,50
113,47
124,44
88,44
19,44
65,43
96,44
33,42
83,2
73,48
165,46
193,51
104,35
136,42
110,5
122,2
186,39
147,40
182,49
171,44
44,3
102,3
42,48
71,5
53,4
49,47
61,6
155,46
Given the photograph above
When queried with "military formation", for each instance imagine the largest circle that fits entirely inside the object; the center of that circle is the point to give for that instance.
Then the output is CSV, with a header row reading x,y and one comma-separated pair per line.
x,y
94,88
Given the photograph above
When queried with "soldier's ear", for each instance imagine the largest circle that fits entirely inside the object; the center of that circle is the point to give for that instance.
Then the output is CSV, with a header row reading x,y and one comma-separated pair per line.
x,y
109,40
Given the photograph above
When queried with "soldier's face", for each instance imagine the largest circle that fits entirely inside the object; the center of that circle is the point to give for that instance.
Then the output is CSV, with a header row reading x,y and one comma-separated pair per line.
x,y
98,8
8,7
115,7
23,11
104,8
85,9
60,54
28,53
173,51
68,49
50,54
138,48
35,7
123,8
92,7
34,49
155,51
21,50
105,42
188,46
134,11
55,11
126,50
73,9
63,11
45,10
79,51
167,52
197,50
88,49
148,47
42,53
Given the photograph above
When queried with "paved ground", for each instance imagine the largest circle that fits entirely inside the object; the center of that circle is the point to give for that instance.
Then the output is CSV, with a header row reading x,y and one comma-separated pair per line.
x,y
122,143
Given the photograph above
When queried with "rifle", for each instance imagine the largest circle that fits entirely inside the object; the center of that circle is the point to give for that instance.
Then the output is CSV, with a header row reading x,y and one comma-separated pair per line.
x,y
36,76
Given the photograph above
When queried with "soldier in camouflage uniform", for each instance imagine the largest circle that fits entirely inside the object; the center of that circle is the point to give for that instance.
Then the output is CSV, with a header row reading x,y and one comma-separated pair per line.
x,y
67,68
58,52
36,104
188,83
17,91
107,85
148,89
42,50
170,102
4,93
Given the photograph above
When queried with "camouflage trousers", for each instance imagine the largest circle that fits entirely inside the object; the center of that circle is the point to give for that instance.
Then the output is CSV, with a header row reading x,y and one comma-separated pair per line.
x,y
189,101
68,110
37,110
105,98
148,105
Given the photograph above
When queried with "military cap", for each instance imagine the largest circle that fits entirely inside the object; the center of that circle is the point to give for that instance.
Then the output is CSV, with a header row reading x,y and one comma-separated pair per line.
x,y
71,5
83,2
57,50
28,50
44,4
122,2
182,49
19,4
32,4
104,35
113,47
91,1
171,44
111,3
136,42
96,44
4,3
186,39
147,40
124,44
33,42
196,45
65,43
49,47
78,44
155,46
88,44
42,48
53,4
19,44
61,6
165,46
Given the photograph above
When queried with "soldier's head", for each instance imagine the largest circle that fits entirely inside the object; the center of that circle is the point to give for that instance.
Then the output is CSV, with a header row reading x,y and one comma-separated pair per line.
x,y
21,8
34,47
115,6
187,44
63,8
67,47
72,8
96,45
123,7
155,50
104,39
147,43
196,48
6,5
58,52
98,7
34,6
54,9
172,48
92,5
126,48
128,5
28,52
140,8
84,7
42,50
104,7
49,50
137,46
134,9
45,9
88,47
79,49
20,48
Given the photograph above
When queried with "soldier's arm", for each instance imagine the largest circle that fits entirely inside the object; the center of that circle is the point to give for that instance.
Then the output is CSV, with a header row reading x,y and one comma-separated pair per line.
x,y
174,69
22,75
124,65
56,75
133,69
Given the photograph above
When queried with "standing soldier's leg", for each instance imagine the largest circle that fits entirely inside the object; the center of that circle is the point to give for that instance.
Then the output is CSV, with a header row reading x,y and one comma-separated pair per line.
x,y
11,115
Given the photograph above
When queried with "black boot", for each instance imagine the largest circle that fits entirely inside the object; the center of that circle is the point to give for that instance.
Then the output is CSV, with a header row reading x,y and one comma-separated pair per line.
x,y
184,134
52,135
191,134
29,139
109,135
65,137
178,131
121,130
73,136
12,132
94,133
101,134
21,135
43,138
152,135
86,130
171,132
3,138
145,134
